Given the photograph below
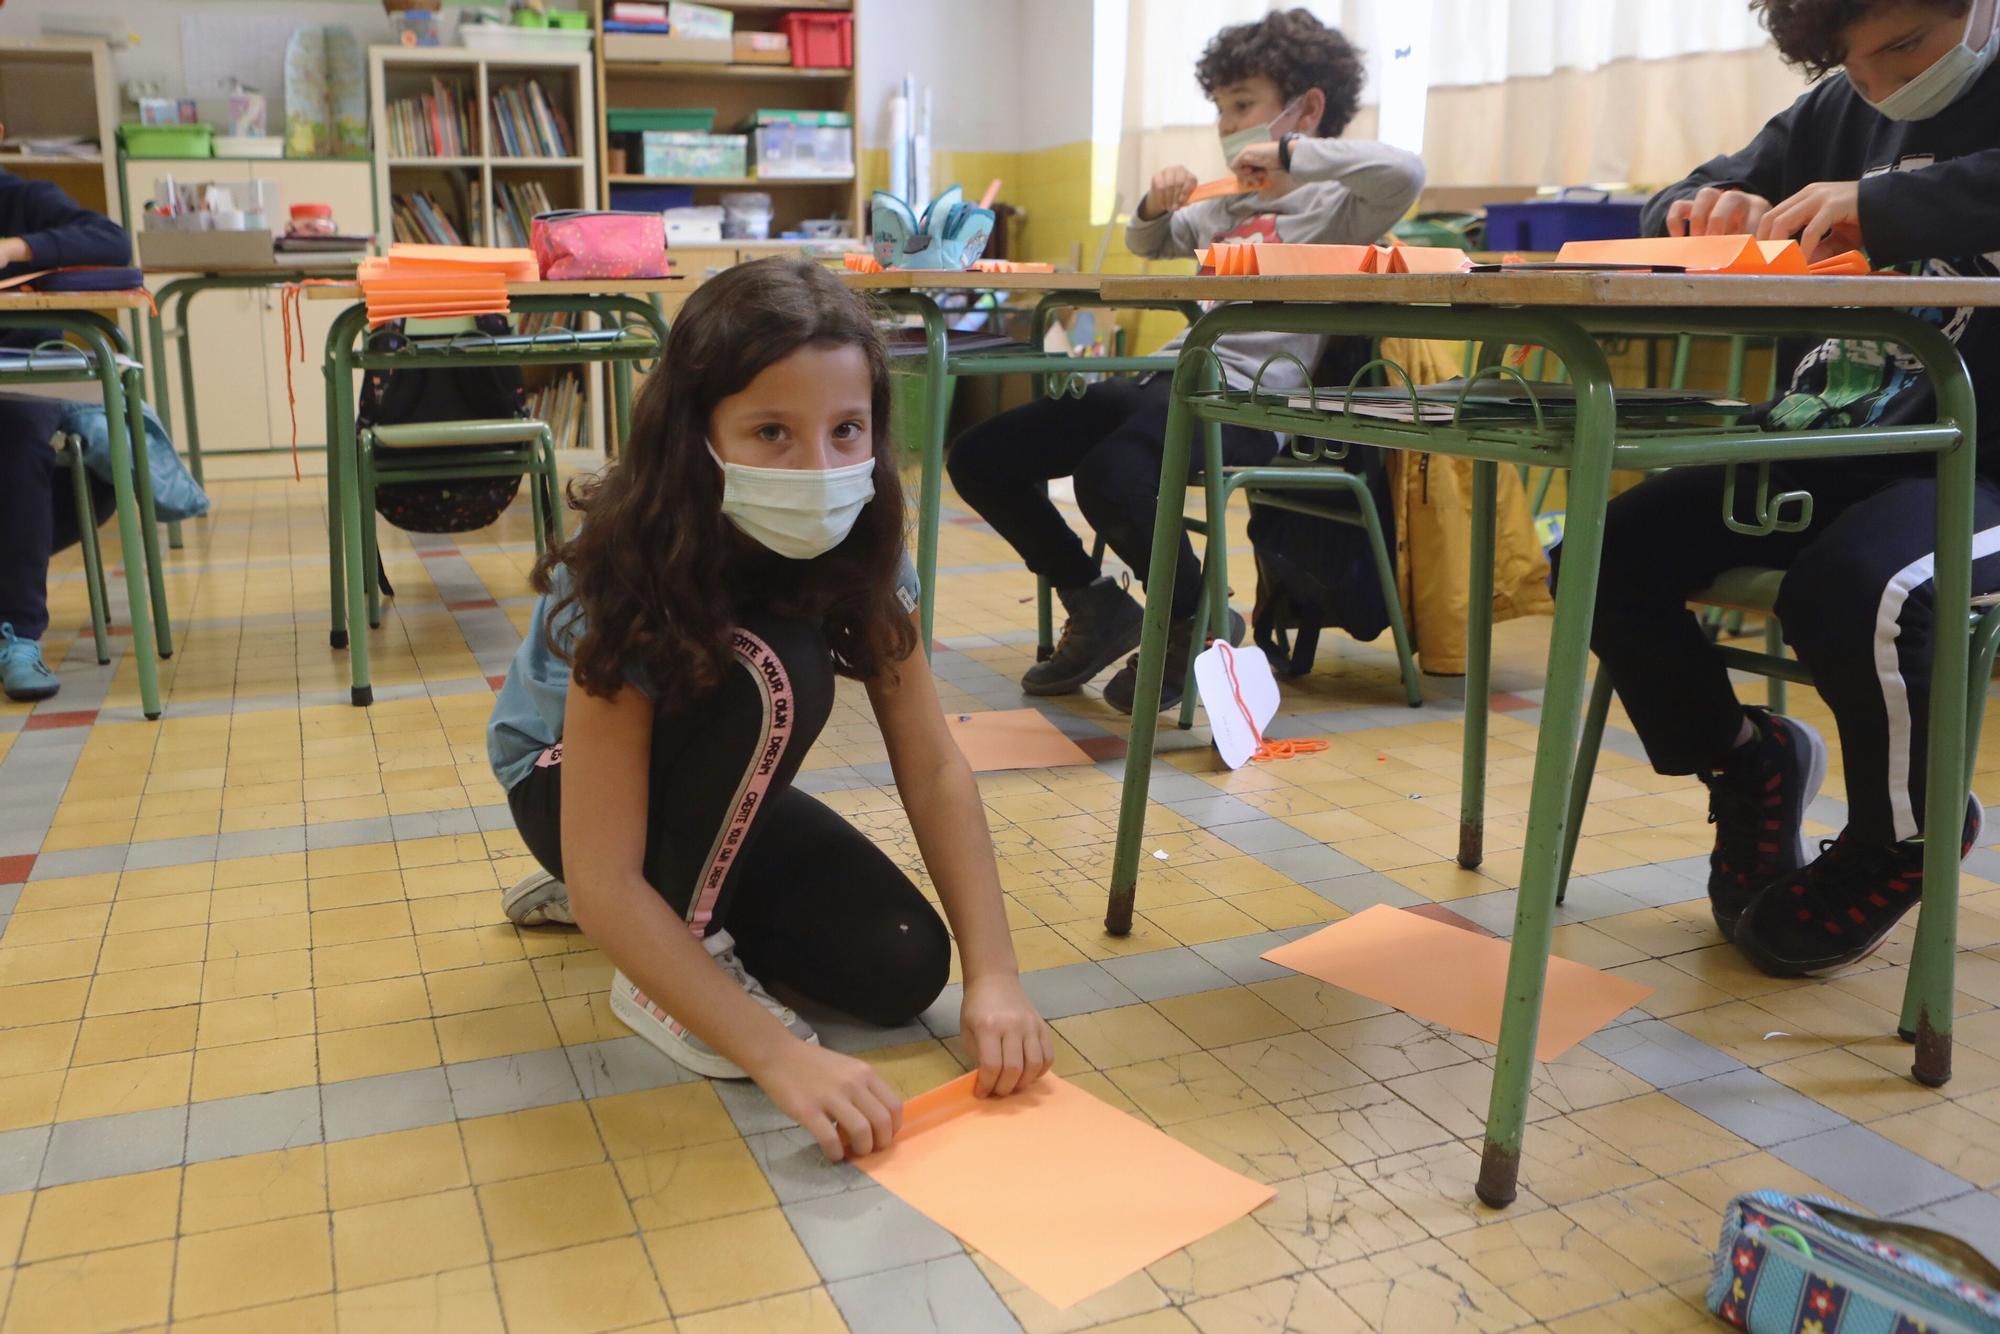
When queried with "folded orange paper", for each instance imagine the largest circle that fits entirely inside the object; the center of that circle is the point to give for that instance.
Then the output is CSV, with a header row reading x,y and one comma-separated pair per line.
x,y
1426,259
1696,254
1063,1191
1012,739
1453,977
1244,260
1219,189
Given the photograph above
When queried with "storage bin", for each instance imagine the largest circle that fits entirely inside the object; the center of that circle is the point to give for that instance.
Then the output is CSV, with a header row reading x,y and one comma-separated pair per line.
x,y
792,152
1545,224
621,120
678,153
761,48
168,140
821,41
651,198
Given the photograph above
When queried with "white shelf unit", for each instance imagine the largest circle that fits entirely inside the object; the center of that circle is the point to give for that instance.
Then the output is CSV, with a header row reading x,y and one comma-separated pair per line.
x,y
54,86
570,79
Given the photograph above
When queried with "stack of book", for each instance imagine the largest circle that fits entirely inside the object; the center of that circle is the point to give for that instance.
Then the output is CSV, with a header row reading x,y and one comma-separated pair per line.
x,y
418,218
515,205
633,16
560,404
526,123
433,124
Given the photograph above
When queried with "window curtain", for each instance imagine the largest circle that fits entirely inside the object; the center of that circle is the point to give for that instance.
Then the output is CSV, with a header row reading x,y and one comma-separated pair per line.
x,y
1521,92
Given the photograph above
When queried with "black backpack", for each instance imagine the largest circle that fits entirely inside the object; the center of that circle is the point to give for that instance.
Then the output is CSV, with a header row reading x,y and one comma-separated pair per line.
x,y
396,398
1314,572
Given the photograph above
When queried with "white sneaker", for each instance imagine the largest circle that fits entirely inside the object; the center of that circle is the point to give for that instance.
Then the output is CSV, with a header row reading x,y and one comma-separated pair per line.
x,y
654,1024
539,899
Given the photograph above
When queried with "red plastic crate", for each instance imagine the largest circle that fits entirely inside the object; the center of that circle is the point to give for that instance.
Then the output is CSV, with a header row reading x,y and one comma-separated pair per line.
x,y
821,41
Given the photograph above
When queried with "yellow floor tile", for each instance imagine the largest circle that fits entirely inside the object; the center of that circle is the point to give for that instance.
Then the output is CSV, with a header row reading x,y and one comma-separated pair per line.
x,y
1124,1036
689,1185
13,1223
346,926
288,1014
398,1239
43,1002
259,935
364,961
256,1188
136,1085
1660,1134
1221,1018
1550,1264
258,974
252,1265
22,964
44,1047
94,1293
527,1215
656,1120
383,1049
483,988
305,1315
606,1285
365,1004
102,1215
727,1261
57,924
395,1166
810,1312
152,949
254,1067
502,1031
162,914
461,1301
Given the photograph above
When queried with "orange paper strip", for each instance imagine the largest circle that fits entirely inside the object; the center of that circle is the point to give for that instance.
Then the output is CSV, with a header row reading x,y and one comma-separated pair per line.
x,y
1849,261
1013,739
1427,259
1064,1192
513,263
1220,189
1452,977
1696,254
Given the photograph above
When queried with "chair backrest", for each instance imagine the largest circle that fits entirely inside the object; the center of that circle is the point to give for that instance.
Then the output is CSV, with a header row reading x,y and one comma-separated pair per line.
x,y
435,435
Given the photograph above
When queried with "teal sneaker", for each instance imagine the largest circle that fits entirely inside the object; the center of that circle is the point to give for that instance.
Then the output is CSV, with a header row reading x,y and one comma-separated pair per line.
x,y
24,674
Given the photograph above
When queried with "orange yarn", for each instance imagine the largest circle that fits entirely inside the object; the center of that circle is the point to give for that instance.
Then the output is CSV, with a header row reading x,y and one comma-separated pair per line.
x,y
1266,750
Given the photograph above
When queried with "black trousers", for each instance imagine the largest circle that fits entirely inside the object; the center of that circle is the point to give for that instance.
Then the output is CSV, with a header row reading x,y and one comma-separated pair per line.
x,y
1111,441
1856,605
37,516
811,902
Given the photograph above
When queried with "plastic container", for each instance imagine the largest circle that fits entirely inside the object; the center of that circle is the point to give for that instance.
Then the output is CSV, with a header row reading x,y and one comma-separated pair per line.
x,y
674,153
168,140
804,152
249,145
821,41
746,216
651,198
637,120
1545,224
415,27
312,220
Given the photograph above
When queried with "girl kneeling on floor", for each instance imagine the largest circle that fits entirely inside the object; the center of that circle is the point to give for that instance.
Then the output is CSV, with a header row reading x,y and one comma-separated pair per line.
x,y
745,549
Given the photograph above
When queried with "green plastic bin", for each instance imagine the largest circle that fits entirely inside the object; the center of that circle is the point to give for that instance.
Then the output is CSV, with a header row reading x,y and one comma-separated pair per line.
x,y
168,140
637,120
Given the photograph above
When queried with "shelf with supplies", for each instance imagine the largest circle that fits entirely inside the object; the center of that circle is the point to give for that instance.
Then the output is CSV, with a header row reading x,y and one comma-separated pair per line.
x,y
697,69
731,182
60,91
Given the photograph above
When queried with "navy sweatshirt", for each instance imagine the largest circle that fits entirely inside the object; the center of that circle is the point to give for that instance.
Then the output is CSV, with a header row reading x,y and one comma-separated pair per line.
x,y
1930,195
59,232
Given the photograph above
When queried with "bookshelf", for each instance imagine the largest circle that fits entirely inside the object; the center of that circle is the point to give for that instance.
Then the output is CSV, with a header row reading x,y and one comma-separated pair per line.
x,y
53,86
439,139
735,91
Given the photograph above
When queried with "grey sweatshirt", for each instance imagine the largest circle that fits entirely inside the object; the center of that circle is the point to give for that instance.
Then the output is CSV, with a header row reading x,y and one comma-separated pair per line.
x,y
1347,192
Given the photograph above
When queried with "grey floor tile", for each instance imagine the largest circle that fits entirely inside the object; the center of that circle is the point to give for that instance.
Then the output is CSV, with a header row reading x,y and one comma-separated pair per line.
x,y
494,819
948,1296
796,1167
1163,973
1587,897
876,775
349,833
749,1108
258,1123
864,1231
1870,1170
1266,837
843,1032
170,852
941,1020
109,1146
21,842
259,842
1076,988
1310,861
1215,810
380,1103
1242,959
21,1153
1660,1054
838,778
623,1065
79,861
9,896
511,1083
1653,886
1757,1107
1169,785
1493,911
1358,893
434,824
1974,1218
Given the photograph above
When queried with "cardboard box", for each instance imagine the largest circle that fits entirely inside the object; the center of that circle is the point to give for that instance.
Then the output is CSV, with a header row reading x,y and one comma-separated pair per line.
x,y
160,249
763,48
645,46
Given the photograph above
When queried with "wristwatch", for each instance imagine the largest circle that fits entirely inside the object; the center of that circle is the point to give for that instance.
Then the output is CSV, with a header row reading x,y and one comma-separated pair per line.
x,y
1285,142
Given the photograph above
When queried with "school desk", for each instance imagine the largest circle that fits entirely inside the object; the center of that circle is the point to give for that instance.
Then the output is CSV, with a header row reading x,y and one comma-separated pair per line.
x,y
625,304
909,292
89,319
1565,313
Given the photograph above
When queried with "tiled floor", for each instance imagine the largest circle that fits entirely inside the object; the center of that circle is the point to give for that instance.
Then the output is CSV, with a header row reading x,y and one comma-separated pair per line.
x,y
270,1058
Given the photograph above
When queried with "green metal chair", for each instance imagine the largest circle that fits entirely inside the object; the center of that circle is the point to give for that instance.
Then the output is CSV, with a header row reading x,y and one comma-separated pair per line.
x,y
410,452
69,456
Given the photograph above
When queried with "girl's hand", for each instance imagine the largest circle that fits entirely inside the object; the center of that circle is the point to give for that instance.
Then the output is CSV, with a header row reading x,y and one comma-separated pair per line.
x,y
1716,212
1825,217
1258,165
848,1108
1171,187
1013,1045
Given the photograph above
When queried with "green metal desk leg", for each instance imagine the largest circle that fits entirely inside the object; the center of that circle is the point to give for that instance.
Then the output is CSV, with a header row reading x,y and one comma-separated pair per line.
x,y
1555,752
1927,1005
129,536
1739,348
336,598
351,518
156,342
149,526
621,393
1478,666
192,442
1153,644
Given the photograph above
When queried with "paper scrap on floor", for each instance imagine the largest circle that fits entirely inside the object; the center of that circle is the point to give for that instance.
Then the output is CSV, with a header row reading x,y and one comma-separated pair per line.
x,y
1240,696
1063,1191
1013,739
1451,976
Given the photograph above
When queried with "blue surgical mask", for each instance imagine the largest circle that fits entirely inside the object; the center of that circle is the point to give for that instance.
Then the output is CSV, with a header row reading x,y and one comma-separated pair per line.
x,y
1943,83
1232,144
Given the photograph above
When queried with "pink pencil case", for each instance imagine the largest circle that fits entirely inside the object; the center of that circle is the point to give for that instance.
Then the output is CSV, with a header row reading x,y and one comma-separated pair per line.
x,y
593,243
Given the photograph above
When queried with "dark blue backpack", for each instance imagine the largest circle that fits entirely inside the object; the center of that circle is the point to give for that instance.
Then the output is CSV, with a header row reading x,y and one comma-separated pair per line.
x,y
1314,572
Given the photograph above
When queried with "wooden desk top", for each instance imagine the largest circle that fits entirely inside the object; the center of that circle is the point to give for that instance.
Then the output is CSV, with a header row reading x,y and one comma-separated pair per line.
x,y
940,280
1628,290
17,300
596,287
337,268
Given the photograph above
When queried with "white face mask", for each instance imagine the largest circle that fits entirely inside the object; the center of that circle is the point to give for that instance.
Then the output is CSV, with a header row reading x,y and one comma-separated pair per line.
x,y
1944,82
797,512
1232,144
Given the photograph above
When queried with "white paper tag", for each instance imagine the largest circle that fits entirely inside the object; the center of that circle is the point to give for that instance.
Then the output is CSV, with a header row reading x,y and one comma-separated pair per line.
x,y
1235,736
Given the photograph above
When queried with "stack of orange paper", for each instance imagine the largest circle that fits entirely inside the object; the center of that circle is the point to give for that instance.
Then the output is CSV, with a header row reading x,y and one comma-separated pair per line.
x,y
442,281
1696,254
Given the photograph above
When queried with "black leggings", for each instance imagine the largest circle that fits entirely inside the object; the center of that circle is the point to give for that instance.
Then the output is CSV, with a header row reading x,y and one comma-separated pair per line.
x,y
812,904
1110,440
37,516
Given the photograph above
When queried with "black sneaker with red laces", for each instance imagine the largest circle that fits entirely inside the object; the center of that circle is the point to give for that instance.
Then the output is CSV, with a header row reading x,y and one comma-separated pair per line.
x,y
1757,803
1838,910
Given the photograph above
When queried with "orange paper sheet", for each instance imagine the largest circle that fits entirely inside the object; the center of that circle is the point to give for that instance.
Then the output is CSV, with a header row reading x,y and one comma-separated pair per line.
x,y
1218,189
1452,977
1696,254
1013,739
1063,1191
1237,260
514,264
1426,259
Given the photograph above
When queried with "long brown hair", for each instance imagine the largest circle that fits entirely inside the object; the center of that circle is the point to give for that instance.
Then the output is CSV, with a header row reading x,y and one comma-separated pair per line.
x,y
656,571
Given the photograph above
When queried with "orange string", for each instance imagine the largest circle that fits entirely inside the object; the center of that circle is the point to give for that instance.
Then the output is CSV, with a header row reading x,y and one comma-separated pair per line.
x,y
1266,750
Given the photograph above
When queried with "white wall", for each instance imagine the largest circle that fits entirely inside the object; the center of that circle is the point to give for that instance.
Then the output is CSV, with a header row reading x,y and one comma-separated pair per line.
x,y
969,54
